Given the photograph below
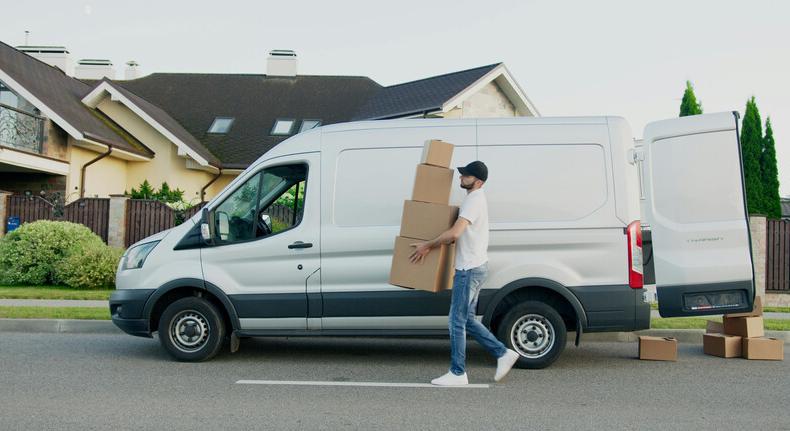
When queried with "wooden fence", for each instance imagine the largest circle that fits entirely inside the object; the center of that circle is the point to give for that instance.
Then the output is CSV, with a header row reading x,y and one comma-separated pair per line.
x,y
777,268
29,208
91,212
146,217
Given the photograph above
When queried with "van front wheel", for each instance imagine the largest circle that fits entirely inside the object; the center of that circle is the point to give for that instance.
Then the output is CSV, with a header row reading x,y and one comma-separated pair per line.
x,y
191,329
535,331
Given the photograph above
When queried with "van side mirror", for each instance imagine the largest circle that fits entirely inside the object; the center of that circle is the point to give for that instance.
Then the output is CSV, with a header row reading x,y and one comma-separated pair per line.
x,y
223,225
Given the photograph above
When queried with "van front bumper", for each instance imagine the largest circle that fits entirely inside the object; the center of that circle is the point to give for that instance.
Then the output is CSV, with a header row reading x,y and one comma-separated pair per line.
x,y
126,309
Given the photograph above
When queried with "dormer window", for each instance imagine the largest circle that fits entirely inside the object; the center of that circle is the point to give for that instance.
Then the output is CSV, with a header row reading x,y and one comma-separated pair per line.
x,y
221,125
309,124
283,126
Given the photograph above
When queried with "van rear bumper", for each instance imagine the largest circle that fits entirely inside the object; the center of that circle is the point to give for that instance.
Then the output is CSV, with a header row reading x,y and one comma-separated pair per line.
x,y
613,308
126,309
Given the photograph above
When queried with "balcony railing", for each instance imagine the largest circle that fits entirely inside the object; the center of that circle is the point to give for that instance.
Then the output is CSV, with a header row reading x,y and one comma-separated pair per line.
x,y
21,130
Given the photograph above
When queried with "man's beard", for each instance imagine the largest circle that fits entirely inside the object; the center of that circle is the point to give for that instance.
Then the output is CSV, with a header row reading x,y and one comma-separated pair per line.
x,y
467,186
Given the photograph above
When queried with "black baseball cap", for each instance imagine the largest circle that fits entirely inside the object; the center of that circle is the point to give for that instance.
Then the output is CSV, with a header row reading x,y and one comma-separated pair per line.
x,y
476,169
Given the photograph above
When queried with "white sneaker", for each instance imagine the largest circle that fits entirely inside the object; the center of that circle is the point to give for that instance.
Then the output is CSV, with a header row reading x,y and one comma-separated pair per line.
x,y
451,379
504,364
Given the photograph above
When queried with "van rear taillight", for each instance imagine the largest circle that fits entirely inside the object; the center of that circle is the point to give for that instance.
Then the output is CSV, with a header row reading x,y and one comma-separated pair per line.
x,y
634,233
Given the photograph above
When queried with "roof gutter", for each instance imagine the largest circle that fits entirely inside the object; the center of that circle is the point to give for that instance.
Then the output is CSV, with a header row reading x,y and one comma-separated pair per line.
x,y
82,170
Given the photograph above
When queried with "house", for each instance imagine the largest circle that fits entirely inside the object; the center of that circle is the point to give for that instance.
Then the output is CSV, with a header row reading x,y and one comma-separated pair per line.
x,y
785,204
90,135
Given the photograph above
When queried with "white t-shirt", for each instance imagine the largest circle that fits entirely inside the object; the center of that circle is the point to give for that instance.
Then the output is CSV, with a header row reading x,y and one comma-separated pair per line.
x,y
471,249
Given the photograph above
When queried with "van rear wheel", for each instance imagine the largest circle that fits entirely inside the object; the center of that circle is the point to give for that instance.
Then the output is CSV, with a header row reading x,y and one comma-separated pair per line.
x,y
536,331
191,329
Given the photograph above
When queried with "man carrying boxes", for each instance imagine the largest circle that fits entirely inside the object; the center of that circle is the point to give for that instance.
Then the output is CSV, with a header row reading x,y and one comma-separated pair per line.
x,y
470,233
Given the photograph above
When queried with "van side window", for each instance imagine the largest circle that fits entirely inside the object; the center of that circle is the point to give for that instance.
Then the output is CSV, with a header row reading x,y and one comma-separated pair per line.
x,y
286,210
268,203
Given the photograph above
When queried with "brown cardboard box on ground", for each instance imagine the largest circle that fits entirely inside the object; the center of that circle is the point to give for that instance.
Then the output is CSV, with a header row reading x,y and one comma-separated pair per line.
x,y
434,274
724,346
746,327
432,184
437,153
658,348
763,348
757,310
426,221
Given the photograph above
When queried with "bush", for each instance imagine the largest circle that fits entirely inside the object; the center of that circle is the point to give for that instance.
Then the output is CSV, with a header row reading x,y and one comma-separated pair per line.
x,y
28,255
93,268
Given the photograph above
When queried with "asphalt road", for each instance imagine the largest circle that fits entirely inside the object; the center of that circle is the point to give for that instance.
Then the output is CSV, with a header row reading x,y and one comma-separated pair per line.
x,y
69,381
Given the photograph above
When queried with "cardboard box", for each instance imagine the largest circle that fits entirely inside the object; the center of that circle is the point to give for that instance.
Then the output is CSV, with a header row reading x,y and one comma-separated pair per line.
x,y
658,348
746,327
756,311
434,274
437,153
432,184
426,221
714,327
724,346
763,348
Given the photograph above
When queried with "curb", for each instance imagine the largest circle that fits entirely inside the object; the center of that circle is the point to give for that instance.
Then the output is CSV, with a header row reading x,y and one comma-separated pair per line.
x,y
73,326
59,326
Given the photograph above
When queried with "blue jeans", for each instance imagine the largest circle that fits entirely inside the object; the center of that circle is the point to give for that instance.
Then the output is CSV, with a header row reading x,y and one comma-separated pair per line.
x,y
466,288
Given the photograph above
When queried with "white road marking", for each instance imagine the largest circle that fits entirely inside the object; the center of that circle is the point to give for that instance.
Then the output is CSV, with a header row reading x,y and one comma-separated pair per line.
x,y
362,384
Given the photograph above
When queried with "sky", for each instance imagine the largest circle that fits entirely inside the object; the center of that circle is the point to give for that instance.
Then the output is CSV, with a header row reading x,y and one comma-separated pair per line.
x,y
628,58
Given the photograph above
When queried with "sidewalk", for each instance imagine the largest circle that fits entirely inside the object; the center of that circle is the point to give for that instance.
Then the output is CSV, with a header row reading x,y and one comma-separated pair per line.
x,y
52,303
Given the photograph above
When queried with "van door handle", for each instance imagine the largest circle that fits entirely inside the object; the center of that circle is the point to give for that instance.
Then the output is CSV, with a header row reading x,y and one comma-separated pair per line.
x,y
300,244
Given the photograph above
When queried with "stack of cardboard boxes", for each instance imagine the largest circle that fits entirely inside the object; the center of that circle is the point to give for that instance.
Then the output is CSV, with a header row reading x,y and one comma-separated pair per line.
x,y
425,217
739,335
742,335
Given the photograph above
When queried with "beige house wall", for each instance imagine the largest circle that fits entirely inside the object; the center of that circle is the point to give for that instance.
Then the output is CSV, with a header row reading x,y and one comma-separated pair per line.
x,y
166,165
489,102
102,178
218,185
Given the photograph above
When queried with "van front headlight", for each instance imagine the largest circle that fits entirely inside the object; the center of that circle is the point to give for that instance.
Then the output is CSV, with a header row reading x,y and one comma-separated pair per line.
x,y
135,256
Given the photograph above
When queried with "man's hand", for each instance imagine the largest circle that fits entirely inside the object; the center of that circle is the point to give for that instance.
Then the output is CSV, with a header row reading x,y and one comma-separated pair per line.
x,y
422,249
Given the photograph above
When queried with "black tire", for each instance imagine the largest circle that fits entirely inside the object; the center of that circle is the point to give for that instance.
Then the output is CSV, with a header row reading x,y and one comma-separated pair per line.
x,y
535,331
191,329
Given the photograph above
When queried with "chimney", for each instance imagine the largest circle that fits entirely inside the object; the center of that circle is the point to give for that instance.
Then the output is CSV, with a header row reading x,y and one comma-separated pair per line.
x,y
132,70
281,62
89,68
57,56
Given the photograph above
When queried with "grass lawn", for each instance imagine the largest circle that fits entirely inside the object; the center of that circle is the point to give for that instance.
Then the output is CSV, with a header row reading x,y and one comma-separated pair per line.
x,y
86,313
700,322
52,292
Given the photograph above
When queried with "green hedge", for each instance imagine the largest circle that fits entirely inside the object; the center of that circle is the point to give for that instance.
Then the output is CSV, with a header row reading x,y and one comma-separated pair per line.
x,y
55,252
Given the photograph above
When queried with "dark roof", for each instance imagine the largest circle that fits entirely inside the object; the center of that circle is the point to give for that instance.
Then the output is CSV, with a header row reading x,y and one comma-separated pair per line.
x,y
424,95
254,101
63,94
164,119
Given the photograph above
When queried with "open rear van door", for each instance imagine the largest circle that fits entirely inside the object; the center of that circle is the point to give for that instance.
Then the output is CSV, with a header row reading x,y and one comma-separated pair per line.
x,y
696,209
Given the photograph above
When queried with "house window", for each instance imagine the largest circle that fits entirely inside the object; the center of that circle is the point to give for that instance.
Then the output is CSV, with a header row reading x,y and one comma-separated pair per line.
x,y
220,125
309,124
283,126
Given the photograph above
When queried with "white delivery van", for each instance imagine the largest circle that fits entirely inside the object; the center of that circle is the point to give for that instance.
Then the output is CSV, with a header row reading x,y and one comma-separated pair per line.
x,y
565,251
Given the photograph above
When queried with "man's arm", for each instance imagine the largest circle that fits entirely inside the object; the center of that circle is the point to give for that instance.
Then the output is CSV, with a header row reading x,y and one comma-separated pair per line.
x,y
447,237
